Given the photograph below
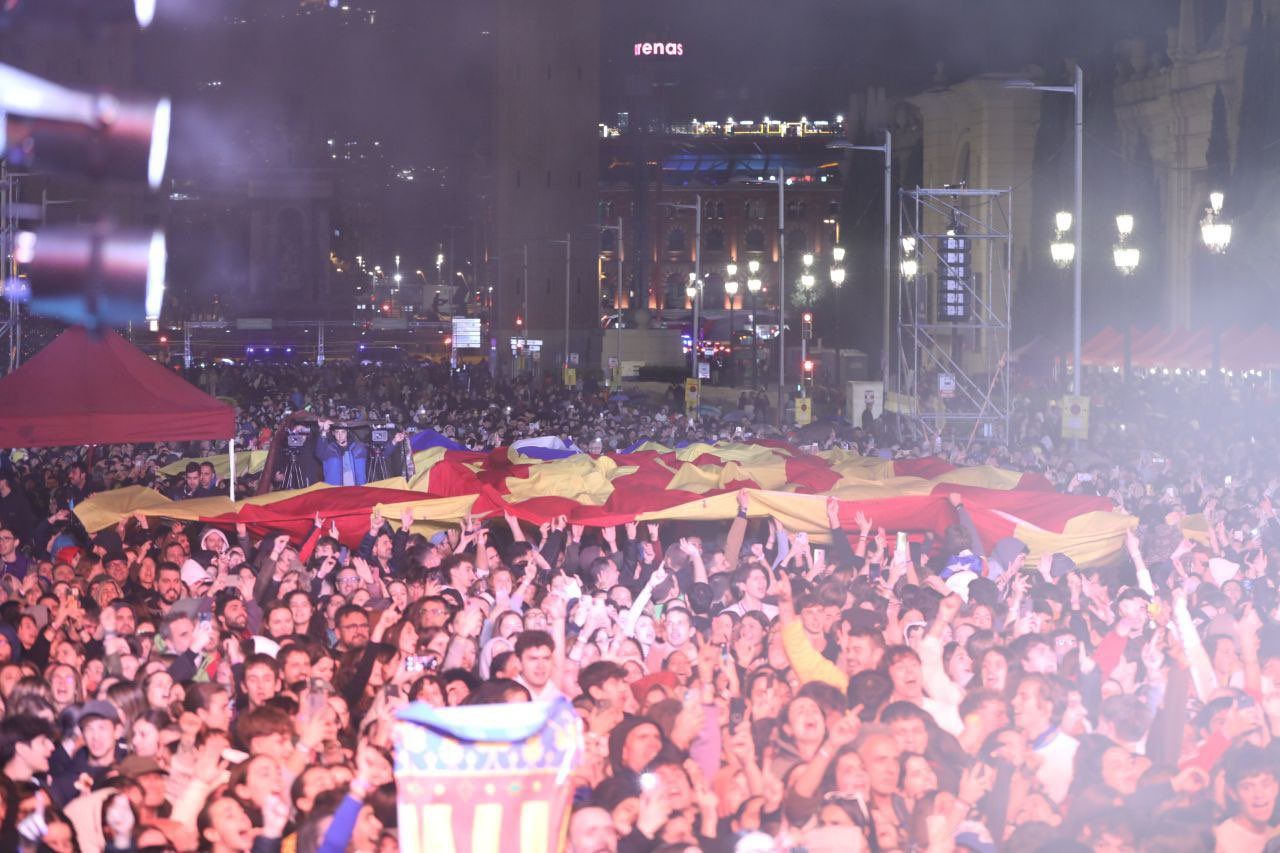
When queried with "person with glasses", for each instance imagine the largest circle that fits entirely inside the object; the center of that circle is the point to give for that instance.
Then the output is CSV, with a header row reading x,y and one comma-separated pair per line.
x,y
12,561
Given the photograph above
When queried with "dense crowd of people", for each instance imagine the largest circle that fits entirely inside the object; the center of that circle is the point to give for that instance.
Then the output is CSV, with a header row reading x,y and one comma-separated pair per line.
x,y
174,686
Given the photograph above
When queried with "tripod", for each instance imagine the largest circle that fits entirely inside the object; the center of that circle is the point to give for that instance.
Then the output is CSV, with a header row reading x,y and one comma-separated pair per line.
x,y
293,476
377,463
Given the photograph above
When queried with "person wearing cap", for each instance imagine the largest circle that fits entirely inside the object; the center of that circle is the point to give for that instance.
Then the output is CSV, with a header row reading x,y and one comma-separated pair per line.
x,y
343,458
99,724
150,776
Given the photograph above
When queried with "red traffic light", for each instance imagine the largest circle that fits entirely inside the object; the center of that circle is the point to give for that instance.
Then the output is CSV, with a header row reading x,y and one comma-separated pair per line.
x,y
808,365
807,317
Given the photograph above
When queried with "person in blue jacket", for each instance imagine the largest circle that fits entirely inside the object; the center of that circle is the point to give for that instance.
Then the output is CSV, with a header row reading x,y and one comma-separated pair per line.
x,y
344,458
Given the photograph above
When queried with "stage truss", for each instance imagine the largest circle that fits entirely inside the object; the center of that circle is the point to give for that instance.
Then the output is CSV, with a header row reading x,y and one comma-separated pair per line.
x,y
952,376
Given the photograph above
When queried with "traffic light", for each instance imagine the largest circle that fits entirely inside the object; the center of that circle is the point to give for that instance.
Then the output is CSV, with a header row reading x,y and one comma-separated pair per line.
x,y
808,369
955,276
806,326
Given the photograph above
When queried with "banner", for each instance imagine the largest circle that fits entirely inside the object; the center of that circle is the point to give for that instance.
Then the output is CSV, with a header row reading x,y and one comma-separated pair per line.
x,y
537,482
486,778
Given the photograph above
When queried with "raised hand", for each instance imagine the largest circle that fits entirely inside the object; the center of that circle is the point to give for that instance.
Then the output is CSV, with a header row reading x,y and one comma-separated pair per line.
x,y
833,513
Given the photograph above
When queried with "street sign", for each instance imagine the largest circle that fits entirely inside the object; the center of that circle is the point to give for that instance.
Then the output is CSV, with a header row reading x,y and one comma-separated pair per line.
x,y
466,333
692,396
1075,417
804,411
946,386
573,359
570,376
704,370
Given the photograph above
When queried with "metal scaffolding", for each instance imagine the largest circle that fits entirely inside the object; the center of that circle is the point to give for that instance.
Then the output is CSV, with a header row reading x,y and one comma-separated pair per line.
x,y
952,377
11,329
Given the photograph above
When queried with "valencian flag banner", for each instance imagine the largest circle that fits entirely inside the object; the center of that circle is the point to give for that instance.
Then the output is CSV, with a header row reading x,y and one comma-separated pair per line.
x,y
486,778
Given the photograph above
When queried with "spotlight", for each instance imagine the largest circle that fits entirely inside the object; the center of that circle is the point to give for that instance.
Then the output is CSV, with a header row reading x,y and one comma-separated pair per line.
x,y
53,128
141,12
94,275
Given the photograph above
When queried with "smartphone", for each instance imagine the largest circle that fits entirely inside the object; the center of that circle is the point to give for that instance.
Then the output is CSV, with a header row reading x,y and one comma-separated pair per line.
x,y
819,555
737,712
648,781
901,544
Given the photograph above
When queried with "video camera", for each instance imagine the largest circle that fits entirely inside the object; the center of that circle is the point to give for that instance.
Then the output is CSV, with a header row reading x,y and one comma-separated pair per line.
x,y
297,439
381,434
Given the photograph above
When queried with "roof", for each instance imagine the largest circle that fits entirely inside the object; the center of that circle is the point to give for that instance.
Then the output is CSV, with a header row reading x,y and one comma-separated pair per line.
x,y
89,388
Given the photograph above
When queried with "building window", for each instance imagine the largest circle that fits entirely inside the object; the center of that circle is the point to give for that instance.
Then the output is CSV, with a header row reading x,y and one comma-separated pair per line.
x,y
796,209
676,241
755,209
754,240
713,240
797,241
673,295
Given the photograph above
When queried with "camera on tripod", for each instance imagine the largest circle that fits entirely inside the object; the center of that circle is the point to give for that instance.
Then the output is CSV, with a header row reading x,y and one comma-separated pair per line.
x,y
296,440
381,434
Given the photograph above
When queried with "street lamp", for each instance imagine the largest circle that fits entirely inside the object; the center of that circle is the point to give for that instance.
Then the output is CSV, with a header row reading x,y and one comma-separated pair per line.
x,y
1062,250
1214,230
731,289
696,275
837,270
1076,90
753,287
694,291
1126,258
887,150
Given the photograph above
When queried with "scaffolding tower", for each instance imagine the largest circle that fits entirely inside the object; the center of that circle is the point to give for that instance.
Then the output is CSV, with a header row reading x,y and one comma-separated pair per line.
x,y
954,300
11,328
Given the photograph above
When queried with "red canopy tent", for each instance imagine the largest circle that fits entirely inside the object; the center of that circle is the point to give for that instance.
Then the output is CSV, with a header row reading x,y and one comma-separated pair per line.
x,y
100,389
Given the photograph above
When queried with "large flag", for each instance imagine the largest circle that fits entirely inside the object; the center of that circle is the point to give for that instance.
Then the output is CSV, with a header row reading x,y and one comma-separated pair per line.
x,y
655,483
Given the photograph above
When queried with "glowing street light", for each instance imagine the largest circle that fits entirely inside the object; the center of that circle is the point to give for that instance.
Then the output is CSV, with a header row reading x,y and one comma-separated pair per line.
x,y
1125,256
1214,230
1062,250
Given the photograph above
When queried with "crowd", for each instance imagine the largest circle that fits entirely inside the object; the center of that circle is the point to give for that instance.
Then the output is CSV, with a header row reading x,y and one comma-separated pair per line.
x,y
170,686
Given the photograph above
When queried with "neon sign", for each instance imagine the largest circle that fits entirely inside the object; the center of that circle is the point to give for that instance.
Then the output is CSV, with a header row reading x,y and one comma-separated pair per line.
x,y
657,48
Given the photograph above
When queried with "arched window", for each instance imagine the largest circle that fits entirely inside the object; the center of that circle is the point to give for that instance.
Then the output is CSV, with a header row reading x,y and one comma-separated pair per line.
x,y
753,240
797,241
755,209
713,240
